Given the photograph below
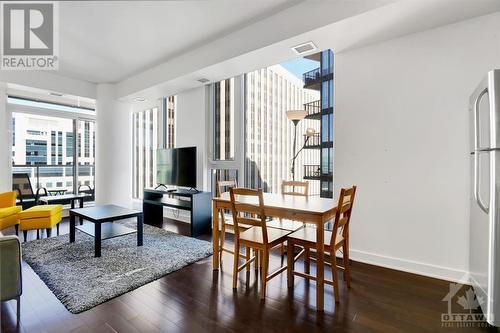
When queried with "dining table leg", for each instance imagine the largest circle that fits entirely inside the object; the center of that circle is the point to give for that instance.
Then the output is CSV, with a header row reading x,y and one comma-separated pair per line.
x,y
215,236
320,267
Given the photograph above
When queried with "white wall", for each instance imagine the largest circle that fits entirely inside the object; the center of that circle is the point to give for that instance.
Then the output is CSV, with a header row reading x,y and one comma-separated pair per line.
x,y
113,148
191,128
402,136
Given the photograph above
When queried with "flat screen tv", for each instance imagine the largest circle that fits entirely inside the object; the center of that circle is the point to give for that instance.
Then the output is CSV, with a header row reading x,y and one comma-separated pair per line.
x,y
176,166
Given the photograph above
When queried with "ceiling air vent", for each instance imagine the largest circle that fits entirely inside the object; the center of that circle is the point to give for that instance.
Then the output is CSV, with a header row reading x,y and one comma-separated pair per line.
x,y
203,80
55,94
304,48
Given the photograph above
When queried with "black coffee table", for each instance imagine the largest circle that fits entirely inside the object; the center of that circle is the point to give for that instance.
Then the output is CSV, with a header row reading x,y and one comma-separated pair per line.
x,y
100,216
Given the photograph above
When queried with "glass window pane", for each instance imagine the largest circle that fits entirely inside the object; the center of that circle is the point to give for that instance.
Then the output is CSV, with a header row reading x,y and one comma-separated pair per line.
x,y
330,94
145,136
324,128
330,125
324,161
224,120
86,156
44,142
324,95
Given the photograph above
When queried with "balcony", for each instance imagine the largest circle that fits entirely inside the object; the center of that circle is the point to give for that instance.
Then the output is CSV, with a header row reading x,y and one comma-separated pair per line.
x,y
312,172
313,110
314,142
312,79
58,179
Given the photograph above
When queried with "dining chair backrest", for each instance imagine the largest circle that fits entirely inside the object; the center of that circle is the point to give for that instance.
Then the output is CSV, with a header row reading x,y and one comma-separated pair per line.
x,y
247,206
294,185
343,214
224,184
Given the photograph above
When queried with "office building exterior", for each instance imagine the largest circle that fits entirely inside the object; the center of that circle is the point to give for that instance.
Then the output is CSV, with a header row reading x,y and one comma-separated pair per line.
x,y
321,111
269,93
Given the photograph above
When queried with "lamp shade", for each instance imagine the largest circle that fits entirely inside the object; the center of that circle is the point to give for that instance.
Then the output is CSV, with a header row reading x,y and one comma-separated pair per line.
x,y
310,131
296,114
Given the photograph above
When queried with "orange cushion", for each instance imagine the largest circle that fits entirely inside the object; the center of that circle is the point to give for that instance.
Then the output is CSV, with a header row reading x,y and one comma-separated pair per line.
x,y
4,212
40,211
8,199
41,222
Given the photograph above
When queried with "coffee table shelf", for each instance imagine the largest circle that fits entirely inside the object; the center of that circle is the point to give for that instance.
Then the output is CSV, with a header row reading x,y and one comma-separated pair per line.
x,y
108,230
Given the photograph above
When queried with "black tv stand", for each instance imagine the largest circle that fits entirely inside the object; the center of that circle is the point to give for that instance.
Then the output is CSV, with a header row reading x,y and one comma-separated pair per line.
x,y
197,203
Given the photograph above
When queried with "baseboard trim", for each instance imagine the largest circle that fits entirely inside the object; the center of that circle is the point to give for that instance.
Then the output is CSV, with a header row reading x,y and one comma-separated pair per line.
x,y
409,266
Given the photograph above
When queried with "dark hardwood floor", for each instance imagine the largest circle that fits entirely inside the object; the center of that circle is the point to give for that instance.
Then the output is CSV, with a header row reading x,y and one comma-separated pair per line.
x,y
196,299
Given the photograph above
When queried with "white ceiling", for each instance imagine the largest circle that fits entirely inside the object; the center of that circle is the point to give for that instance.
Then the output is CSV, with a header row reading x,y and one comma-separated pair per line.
x,y
338,25
107,41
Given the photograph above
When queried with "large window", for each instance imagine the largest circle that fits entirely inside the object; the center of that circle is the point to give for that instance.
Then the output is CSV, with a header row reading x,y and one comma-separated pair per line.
x,y
152,129
268,134
269,93
145,137
267,145
44,148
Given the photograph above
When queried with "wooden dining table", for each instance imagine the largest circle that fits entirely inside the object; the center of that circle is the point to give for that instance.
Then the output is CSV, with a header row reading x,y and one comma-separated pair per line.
x,y
312,209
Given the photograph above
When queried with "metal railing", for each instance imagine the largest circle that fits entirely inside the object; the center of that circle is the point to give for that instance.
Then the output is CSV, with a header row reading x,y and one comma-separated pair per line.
x,y
313,108
312,171
58,177
312,76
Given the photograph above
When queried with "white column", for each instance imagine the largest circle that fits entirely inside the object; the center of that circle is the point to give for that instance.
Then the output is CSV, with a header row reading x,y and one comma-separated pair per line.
x,y
113,148
6,142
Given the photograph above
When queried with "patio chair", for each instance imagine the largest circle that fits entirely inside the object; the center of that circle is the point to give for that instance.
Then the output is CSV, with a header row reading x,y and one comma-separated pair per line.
x,y
22,184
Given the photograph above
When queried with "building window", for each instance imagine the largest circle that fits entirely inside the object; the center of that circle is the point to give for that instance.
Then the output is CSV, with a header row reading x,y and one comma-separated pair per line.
x,y
69,146
145,144
87,139
170,107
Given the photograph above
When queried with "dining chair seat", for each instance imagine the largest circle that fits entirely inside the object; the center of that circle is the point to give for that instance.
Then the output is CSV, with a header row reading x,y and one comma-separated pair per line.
x,y
307,237
253,236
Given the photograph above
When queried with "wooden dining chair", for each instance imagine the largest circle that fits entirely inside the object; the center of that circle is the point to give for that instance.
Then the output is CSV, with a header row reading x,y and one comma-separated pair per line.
x,y
290,188
293,188
248,209
336,240
227,224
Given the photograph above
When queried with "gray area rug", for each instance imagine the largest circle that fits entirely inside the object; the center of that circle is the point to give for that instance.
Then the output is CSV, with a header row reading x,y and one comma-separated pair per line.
x,y
81,281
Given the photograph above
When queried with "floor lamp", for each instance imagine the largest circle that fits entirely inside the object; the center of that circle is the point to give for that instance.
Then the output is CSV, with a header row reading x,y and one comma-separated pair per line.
x,y
296,116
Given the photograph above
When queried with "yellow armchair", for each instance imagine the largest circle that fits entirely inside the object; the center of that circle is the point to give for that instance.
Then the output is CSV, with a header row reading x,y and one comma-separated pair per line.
x,y
9,212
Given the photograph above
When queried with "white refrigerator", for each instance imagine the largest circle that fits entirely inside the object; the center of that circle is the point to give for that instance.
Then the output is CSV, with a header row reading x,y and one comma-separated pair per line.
x,y
484,256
